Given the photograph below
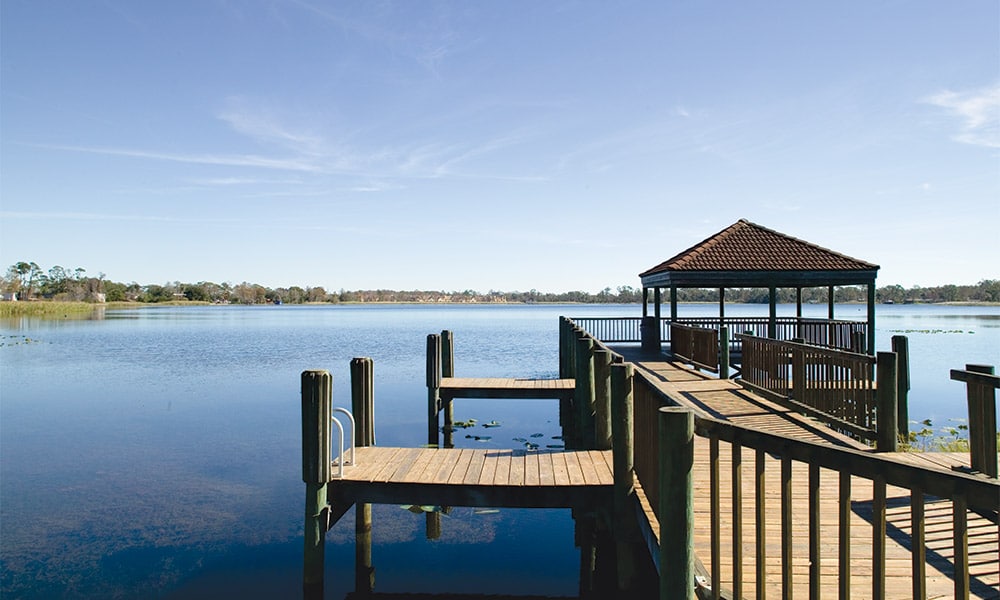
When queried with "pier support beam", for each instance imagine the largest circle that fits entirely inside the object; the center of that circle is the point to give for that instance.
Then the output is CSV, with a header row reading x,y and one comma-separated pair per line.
x,y
886,411
363,401
901,346
602,399
675,511
317,412
583,396
433,386
448,370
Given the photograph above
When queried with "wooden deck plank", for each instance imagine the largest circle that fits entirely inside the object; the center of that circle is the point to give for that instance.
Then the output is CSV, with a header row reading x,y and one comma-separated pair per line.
x,y
502,476
531,469
573,469
546,475
517,468
461,467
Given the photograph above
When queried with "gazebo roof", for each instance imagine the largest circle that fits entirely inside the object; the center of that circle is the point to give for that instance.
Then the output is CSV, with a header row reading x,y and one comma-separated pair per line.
x,y
748,255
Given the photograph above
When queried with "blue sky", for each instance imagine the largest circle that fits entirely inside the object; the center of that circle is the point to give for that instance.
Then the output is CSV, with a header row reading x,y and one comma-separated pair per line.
x,y
493,145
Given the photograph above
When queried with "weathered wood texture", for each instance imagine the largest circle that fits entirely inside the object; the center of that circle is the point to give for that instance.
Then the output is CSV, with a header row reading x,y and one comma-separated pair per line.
x,y
938,564
477,477
771,492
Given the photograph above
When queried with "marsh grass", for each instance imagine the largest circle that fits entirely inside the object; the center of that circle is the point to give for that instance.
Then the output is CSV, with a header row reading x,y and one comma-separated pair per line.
x,y
64,310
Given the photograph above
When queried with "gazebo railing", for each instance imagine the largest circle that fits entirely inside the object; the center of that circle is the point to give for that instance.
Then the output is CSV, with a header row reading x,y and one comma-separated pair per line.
x,y
841,334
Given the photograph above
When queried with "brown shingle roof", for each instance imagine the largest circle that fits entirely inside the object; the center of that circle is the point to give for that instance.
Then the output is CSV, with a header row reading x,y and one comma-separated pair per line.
x,y
746,246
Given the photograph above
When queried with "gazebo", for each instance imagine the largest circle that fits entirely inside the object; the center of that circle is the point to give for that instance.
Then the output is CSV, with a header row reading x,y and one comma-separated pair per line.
x,y
747,255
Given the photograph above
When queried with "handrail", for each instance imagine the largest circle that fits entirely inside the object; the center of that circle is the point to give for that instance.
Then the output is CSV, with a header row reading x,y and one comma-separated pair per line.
x,y
340,431
835,386
831,333
966,492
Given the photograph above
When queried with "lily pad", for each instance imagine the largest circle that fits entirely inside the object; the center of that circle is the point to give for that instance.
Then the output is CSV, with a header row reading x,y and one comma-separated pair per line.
x,y
538,435
493,423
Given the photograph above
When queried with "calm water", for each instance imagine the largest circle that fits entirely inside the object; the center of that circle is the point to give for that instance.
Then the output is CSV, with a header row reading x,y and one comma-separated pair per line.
x,y
155,453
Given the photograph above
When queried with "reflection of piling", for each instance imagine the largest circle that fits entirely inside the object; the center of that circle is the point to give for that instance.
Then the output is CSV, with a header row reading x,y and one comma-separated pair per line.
x,y
317,396
433,530
364,572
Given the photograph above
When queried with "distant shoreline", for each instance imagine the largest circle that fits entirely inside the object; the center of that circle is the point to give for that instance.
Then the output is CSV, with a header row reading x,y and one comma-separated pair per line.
x,y
56,308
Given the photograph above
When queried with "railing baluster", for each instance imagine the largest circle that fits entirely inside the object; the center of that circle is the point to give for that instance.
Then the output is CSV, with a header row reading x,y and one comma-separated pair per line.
x,y
960,528
918,551
814,554
737,519
844,538
878,537
713,460
760,525
786,526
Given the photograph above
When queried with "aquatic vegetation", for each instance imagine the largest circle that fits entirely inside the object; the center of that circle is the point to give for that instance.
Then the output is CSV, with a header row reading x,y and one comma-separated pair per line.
x,y
17,340
493,423
952,438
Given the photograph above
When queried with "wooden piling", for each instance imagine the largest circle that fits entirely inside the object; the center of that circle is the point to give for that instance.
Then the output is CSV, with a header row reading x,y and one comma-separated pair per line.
x,y
602,399
317,412
448,370
363,401
675,511
583,395
887,434
901,346
433,386
622,456
565,351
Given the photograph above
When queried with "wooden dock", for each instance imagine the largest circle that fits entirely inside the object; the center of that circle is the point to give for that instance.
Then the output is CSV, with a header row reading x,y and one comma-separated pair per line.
x,y
726,400
798,524
477,477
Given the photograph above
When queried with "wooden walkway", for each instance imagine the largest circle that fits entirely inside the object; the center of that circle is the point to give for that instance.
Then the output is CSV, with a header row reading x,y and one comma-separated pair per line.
x,y
477,477
728,401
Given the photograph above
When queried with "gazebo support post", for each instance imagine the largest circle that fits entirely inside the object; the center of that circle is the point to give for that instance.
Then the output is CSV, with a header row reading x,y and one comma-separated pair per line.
x,y
657,300
829,302
772,315
722,306
798,302
645,301
871,318
673,303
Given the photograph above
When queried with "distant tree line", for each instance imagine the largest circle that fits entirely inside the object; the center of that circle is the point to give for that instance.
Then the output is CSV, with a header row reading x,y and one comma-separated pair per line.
x,y
31,282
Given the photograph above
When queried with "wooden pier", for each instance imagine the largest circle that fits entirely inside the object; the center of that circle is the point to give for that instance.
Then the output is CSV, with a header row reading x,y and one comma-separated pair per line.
x,y
778,504
477,477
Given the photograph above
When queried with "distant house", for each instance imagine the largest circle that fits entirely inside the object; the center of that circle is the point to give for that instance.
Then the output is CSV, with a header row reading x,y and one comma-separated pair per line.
x,y
8,296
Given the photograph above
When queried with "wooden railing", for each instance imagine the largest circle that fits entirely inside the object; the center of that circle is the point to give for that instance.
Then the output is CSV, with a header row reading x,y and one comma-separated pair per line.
x,y
981,392
696,345
611,330
833,385
661,469
846,335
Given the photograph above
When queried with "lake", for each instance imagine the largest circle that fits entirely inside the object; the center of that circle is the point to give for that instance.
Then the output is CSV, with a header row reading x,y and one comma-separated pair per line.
x,y
156,452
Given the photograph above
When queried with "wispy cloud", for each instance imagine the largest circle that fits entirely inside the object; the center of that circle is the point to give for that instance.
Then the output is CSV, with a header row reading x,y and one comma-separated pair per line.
x,y
978,112
230,160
